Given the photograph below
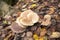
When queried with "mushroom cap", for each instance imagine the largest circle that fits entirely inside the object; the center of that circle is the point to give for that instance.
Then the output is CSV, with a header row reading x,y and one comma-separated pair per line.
x,y
55,35
46,23
28,18
16,28
47,20
48,17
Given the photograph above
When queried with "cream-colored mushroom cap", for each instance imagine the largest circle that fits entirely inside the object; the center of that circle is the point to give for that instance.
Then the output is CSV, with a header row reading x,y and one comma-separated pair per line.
x,y
47,20
48,17
55,35
46,23
28,18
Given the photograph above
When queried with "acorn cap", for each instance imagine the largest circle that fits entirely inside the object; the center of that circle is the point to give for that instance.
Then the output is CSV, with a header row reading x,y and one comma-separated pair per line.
x,y
29,34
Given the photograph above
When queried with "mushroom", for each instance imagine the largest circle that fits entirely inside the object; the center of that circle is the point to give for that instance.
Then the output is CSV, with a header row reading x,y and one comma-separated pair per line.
x,y
48,17
55,35
46,21
17,28
28,18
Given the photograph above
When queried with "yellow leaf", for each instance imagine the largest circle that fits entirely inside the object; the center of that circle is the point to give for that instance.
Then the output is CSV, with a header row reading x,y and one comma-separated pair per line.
x,y
35,36
42,38
33,5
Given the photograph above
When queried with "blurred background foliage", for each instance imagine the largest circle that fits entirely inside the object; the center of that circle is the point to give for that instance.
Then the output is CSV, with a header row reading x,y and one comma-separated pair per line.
x,y
5,6
11,2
